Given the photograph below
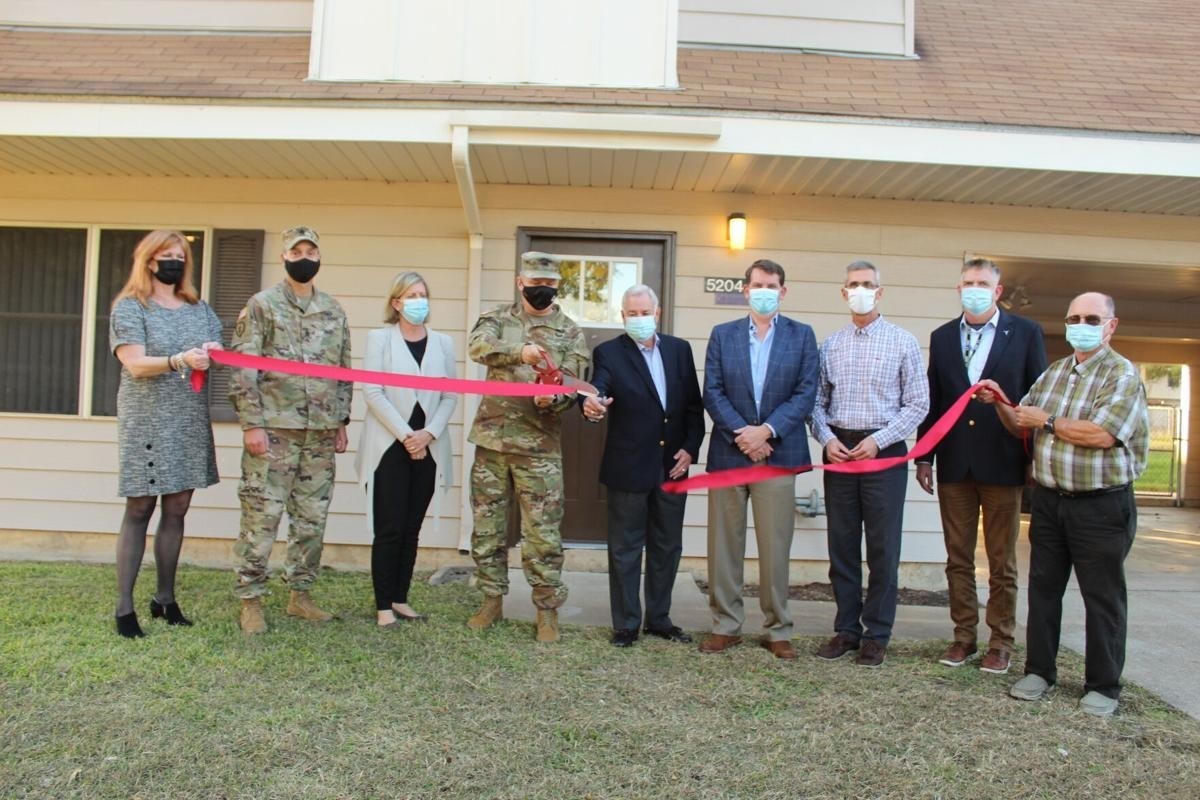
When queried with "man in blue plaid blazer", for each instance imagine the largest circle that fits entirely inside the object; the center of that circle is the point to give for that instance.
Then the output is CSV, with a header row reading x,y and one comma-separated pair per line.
x,y
760,382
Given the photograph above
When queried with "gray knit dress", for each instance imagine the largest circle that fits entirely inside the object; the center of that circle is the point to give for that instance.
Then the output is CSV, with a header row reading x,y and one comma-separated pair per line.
x,y
164,434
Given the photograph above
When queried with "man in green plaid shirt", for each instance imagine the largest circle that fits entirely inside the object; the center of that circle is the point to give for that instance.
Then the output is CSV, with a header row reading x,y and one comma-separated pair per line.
x,y
1087,419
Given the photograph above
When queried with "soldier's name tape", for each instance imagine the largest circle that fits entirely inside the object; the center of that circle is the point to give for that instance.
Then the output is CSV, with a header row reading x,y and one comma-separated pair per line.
x,y
230,358
744,475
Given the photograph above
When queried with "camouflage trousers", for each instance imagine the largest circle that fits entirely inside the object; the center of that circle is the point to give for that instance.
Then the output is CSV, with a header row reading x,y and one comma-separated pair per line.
x,y
295,475
538,485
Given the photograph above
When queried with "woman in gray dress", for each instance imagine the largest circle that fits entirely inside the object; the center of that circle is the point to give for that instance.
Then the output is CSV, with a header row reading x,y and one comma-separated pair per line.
x,y
159,330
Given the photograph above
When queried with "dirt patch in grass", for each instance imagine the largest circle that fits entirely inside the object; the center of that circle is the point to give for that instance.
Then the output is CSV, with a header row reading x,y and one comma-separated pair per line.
x,y
345,710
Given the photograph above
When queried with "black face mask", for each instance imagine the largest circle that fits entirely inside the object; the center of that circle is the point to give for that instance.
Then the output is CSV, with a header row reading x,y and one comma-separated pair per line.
x,y
540,297
301,270
170,270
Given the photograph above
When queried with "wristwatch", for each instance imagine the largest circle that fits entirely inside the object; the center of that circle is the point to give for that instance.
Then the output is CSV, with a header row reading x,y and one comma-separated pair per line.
x,y
1048,425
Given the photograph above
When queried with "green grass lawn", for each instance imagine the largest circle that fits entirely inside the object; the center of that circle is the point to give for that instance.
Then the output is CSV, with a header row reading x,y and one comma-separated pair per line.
x,y
344,710
1157,477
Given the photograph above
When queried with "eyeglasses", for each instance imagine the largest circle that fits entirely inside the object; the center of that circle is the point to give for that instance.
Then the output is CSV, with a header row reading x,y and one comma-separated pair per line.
x,y
1089,319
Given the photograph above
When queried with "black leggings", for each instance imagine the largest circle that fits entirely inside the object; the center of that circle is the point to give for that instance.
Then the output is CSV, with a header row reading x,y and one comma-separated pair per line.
x,y
402,489
168,541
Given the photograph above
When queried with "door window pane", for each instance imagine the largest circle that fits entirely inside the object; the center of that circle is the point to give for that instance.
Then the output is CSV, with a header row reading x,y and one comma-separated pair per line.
x,y
41,318
590,289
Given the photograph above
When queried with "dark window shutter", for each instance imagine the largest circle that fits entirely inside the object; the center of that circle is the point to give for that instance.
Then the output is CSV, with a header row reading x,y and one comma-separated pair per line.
x,y
237,258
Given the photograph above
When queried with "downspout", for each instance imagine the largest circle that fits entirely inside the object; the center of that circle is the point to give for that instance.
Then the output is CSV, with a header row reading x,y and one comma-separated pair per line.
x,y
460,156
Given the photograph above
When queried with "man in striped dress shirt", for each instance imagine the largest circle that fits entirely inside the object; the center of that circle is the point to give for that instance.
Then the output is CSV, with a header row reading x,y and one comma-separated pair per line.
x,y
872,395
1090,427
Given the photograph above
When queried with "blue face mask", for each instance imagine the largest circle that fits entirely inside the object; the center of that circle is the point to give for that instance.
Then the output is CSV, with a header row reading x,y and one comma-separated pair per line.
x,y
764,301
640,328
1085,338
416,309
976,299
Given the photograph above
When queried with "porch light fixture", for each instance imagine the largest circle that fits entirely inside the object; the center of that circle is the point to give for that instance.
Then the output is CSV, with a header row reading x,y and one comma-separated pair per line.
x,y
736,227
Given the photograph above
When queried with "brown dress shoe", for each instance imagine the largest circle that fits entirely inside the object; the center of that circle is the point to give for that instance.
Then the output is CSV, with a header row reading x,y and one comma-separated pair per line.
x,y
995,662
780,649
871,654
718,643
958,654
837,647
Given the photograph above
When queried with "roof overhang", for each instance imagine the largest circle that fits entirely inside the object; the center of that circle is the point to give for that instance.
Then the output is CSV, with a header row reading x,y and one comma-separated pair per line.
x,y
764,155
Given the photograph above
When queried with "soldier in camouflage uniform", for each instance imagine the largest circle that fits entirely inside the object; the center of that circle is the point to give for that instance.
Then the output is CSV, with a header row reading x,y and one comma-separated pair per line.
x,y
292,427
519,438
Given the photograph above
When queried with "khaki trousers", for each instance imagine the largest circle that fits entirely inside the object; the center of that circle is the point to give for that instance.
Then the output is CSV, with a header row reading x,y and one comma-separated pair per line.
x,y
960,504
774,503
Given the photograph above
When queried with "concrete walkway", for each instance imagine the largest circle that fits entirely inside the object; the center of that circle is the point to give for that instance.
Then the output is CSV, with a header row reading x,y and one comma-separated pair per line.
x,y
1163,572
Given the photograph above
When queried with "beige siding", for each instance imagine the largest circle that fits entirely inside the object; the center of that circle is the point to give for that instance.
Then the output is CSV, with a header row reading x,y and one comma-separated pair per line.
x,y
869,26
186,15
57,473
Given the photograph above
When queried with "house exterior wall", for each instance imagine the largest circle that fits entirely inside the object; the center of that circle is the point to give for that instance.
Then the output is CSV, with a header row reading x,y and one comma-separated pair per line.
x,y
882,27
626,43
181,15
57,473
873,26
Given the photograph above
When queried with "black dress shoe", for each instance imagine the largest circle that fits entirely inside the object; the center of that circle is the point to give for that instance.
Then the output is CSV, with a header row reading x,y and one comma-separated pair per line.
x,y
673,633
127,626
624,637
171,611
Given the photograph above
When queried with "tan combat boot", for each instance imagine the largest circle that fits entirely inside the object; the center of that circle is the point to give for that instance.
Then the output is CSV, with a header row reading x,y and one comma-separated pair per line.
x,y
253,618
488,614
300,604
547,625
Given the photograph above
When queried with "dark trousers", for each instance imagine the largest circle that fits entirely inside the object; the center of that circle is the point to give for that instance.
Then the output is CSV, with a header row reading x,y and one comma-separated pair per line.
x,y
1093,535
643,520
872,503
402,488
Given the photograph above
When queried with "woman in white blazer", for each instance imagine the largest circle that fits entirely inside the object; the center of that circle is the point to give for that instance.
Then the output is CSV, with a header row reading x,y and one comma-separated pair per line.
x,y
405,446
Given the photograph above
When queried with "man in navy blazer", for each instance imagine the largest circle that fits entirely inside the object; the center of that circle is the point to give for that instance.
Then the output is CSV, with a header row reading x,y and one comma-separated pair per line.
x,y
760,382
978,464
648,387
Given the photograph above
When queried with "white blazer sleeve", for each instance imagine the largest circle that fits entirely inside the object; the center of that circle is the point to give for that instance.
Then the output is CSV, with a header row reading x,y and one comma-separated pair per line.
x,y
377,402
447,401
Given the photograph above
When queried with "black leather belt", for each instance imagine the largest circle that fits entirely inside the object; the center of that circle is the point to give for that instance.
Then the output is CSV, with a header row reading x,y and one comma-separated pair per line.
x,y
1090,493
849,437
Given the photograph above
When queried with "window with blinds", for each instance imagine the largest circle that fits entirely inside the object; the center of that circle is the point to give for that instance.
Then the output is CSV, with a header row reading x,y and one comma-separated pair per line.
x,y
41,318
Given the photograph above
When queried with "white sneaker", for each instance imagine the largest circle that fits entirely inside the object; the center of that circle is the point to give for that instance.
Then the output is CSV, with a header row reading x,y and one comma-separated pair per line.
x,y
1031,687
1098,705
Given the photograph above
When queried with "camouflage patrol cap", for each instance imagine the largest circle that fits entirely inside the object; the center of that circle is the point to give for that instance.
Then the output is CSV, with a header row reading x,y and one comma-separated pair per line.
x,y
539,265
300,233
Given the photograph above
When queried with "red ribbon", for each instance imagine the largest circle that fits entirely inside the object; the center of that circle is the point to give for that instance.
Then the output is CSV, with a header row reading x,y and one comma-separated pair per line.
x,y
743,475
231,358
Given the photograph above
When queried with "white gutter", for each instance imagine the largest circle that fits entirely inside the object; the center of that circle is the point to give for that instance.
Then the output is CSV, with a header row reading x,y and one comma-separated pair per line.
x,y
460,157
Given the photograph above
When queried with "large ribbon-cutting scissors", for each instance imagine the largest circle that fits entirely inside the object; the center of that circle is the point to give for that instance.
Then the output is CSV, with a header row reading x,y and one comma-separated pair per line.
x,y
551,375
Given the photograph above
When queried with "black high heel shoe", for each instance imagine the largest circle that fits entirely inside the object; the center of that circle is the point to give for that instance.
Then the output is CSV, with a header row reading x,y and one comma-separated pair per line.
x,y
127,626
170,611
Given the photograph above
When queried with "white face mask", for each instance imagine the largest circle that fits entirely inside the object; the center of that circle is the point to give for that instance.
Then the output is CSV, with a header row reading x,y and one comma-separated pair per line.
x,y
861,300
